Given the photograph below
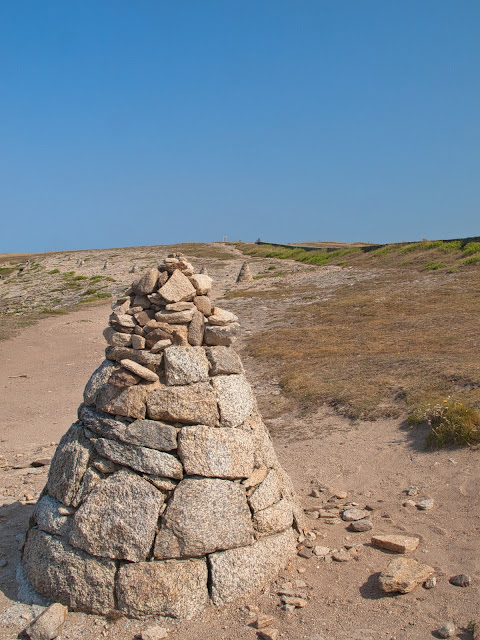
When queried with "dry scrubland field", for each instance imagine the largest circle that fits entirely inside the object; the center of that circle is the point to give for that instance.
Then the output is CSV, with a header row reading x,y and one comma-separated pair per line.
x,y
348,352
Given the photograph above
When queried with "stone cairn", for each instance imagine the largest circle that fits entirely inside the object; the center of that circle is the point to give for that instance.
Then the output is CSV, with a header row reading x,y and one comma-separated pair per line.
x,y
244,275
166,494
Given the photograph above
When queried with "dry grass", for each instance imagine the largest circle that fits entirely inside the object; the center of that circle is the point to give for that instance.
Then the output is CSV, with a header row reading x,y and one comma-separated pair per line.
x,y
382,346
451,422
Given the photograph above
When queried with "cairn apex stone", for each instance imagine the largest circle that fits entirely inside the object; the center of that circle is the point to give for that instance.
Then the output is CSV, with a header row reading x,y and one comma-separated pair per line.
x,y
239,572
204,515
118,518
174,588
64,574
167,494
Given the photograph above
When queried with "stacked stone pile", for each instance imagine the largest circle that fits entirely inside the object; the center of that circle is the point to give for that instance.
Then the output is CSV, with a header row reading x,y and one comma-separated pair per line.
x,y
166,494
244,275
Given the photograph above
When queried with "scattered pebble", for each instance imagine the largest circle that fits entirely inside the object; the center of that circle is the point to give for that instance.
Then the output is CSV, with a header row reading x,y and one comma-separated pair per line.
x,y
361,525
305,553
425,504
342,556
263,620
154,633
412,491
350,515
49,623
399,544
461,580
321,551
446,630
430,583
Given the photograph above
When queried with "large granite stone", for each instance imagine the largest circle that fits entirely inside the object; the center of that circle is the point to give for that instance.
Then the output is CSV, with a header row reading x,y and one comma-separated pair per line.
x,y
142,357
143,433
204,515
214,452
117,338
178,288
196,329
239,572
98,378
141,459
202,283
90,479
223,360
64,574
402,575
147,283
277,517
69,465
221,317
267,492
203,304
130,402
48,519
174,588
184,365
118,518
189,404
226,336
235,399
175,317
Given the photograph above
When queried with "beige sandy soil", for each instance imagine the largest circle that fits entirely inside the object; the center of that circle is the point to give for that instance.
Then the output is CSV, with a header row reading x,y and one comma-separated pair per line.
x,y
43,372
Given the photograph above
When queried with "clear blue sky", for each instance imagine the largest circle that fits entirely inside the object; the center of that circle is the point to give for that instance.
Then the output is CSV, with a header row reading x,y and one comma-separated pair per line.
x,y
158,121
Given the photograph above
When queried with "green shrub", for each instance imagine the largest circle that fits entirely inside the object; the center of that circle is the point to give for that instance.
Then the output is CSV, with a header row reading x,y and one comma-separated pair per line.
x,y
471,260
53,271
471,247
452,423
433,266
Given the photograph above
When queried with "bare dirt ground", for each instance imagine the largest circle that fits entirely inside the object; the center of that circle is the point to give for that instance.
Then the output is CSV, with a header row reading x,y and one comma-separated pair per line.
x,y
44,370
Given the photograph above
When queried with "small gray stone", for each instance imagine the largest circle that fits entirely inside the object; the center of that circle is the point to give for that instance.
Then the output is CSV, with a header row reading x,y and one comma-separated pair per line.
x,y
138,342
189,404
462,580
48,519
350,515
49,623
361,525
223,360
273,519
69,465
266,493
196,329
204,515
178,288
447,630
140,458
430,583
184,365
214,452
239,572
67,575
118,518
147,283
98,378
235,399
425,505
221,335
175,588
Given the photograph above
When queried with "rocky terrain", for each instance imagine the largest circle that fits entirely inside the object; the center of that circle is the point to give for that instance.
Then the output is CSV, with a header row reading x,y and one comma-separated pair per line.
x,y
359,482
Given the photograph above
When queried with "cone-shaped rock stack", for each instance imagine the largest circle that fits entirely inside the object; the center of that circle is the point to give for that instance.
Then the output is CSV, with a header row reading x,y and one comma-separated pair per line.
x,y
244,275
166,494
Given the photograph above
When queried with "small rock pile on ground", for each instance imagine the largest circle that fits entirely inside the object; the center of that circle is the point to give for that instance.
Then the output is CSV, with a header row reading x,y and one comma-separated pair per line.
x,y
166,494
244,275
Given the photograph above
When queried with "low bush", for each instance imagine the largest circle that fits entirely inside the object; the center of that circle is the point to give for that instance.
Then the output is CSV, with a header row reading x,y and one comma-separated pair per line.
x,y
451,423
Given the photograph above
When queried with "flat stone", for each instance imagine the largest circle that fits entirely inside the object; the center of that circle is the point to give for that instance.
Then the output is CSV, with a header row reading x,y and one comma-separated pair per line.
x,y
49,623
273,519
175,317
143,433
223,361
140,458
139,370
306,553
342,556
235,399
98,378
189,404
361,525
174,588
214,452
129,402
160,332
263,620
221,317
122,322
225,336
202,283
196,329
350,515
203,516
69,465
462,580
180,306
147,283
425,505
268,634
399,544
138,342
295,601
64,574
117,338
154,633
121,378
118,518
164,484
203,304
48,518
40,462
184,365
144,317
403,575
321,552
267,492
160,346
178,288
239,572
142,357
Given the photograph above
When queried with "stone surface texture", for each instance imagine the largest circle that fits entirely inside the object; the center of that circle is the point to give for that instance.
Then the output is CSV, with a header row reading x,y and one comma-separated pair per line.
x,y
166,495
402,575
